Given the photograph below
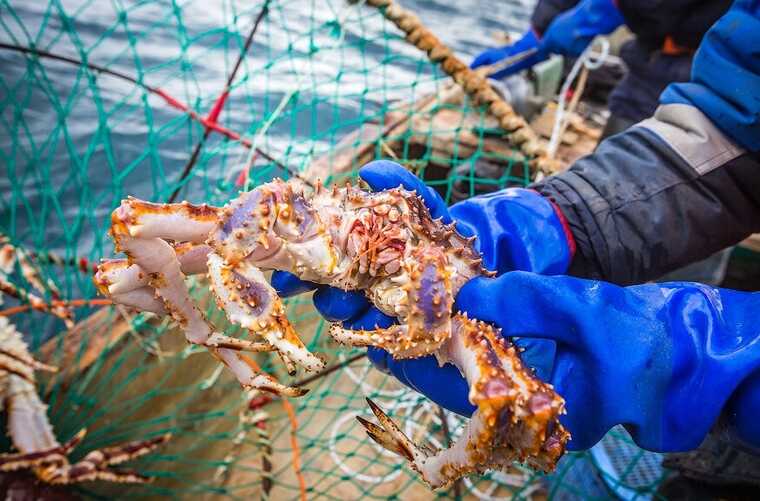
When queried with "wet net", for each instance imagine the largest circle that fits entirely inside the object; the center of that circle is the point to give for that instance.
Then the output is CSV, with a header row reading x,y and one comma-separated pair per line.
x,y
197,100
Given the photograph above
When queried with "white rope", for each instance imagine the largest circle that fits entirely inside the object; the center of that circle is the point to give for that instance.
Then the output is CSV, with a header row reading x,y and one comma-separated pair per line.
x,y
588,60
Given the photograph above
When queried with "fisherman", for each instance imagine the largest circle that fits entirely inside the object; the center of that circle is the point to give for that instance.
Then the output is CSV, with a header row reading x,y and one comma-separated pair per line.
x,y
666,36
673,362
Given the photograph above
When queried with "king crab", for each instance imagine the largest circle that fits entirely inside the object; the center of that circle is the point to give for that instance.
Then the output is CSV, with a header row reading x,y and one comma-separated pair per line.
x,y
383,243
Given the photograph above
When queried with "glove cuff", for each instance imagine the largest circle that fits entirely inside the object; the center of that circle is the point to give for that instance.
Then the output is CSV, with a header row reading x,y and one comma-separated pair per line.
x,y
517,229
565,226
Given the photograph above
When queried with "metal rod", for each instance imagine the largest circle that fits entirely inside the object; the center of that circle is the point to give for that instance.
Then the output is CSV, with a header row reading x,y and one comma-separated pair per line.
x,y
510,61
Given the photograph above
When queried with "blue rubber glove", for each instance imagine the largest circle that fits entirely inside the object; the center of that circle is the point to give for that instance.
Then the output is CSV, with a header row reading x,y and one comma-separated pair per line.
x,y
572,31
663,359
725,76
568,34
514,229
492,56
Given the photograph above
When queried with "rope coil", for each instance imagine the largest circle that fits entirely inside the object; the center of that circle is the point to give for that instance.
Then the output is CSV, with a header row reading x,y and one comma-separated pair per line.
x,y
474,83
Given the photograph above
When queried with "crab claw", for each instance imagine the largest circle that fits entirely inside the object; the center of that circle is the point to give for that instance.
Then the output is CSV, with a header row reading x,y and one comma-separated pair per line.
x,y
390,436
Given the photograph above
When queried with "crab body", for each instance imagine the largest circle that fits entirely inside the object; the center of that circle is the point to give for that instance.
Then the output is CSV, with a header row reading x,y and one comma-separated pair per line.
x,y
383,243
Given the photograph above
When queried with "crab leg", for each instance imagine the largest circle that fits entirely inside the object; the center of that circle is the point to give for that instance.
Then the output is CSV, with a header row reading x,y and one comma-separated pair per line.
x,y
513,410
159,260
250,302
182,222
33,436
141,299
428,301
129,287
175,221
117,276
385,338
94,465
51,465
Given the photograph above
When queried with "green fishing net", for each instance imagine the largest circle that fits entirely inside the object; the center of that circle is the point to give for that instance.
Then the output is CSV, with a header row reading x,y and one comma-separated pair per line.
x,y
197,100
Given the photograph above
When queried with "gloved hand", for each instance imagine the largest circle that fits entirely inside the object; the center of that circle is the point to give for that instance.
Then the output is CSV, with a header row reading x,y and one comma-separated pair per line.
x,y
572,31
492,56
568,34
662,359
514,229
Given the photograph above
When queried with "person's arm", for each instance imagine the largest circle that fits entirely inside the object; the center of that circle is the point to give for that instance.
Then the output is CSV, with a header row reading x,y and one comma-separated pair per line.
x,y
546,11
560,27
681,185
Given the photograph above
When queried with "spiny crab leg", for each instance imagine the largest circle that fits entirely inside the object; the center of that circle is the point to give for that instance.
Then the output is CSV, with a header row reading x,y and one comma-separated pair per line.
x,y
127,284
427,300
250,302
138,228
52,465
516,415
141,299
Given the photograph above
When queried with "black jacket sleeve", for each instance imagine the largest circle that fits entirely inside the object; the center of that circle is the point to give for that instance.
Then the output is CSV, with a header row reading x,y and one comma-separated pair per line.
x,y
547,10
685,21
665,193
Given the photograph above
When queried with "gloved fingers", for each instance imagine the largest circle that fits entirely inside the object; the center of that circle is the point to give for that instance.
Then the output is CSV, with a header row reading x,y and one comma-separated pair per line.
x,y
384,174
490,56
538,355
529,305
443,385
287,285
515,68
337,305
369,319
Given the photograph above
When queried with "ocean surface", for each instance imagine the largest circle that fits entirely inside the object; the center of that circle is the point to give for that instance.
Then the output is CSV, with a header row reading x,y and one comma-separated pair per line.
x,y
73,141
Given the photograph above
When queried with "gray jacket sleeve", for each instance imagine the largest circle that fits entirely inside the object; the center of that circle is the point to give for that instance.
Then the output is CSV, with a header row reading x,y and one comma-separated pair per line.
x,y
667,192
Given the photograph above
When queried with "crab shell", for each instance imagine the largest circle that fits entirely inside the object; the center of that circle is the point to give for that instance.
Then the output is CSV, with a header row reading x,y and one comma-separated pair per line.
x,y
385,244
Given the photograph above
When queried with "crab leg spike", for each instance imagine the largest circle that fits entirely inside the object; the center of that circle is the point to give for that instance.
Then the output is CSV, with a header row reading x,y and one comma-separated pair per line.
x,y
74,441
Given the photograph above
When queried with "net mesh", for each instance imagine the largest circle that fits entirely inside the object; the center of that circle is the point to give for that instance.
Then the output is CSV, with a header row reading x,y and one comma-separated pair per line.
x,y
196,100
